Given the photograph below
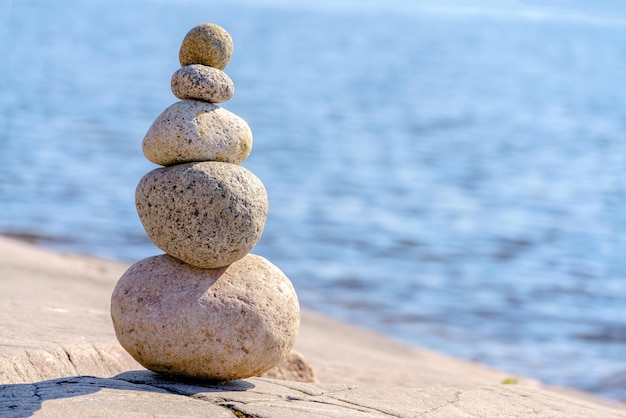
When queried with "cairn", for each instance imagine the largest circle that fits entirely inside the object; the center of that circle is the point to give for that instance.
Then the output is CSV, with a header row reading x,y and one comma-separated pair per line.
x,y
207,309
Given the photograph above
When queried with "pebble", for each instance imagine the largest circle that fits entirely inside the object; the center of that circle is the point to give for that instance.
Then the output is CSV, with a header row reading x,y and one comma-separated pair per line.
x,y
207,214
214,324
202,82
194,130
206,44
295,367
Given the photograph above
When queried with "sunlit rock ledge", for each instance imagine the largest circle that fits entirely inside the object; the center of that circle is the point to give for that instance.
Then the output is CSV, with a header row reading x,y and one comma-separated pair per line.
x,y
59,357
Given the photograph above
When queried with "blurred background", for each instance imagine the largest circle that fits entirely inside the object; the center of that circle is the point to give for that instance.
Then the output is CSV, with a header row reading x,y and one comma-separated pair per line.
x,y
451,176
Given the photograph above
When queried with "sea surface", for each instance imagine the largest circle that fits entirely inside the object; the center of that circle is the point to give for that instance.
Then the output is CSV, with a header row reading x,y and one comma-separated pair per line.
x,y
453,177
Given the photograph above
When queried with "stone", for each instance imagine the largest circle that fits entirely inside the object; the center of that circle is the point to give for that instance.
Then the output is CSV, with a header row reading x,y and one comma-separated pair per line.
x,y
294,367
206,44
207,214
194,130
202,82
212,324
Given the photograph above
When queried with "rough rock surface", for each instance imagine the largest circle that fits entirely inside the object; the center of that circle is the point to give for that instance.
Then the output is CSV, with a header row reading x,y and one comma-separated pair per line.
x,y
206,44
216,324
194,130
143,393
202,82
293,367
56,336
207,214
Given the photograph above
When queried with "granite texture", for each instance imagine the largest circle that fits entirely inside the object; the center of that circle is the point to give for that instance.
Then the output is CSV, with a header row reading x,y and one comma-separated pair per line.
x,y
201,82
194,130
293,367
206,44
207,214
215,324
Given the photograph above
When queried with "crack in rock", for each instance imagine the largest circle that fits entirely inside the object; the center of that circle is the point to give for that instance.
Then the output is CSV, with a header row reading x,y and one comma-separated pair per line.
x,y
454,402
319,396
69,359
348,405
306,389
367,408
235,411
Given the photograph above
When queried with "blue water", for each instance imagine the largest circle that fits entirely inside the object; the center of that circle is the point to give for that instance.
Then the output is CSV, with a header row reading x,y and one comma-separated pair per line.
x,y
453,177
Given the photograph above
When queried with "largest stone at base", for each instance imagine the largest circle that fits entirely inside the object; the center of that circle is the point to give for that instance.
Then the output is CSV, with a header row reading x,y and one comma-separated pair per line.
x,y
219,324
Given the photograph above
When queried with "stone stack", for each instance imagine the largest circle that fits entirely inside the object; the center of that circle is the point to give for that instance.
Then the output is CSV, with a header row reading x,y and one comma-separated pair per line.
x,y
207,309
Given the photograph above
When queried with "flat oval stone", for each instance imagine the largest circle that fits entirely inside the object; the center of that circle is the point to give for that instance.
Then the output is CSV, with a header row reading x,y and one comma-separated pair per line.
x,y
206,44
207,214
202,82
194,130
215,324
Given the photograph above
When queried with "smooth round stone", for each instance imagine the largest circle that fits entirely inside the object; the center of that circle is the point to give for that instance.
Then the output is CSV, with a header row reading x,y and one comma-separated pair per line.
x,y
214,324
202,82
206,44
194,130
207,214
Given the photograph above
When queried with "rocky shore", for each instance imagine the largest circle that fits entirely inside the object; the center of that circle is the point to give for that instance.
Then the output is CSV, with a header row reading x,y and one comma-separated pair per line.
x,y
59,358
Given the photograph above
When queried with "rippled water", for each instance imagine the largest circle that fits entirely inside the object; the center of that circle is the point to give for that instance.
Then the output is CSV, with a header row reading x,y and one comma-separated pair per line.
x,y
454,178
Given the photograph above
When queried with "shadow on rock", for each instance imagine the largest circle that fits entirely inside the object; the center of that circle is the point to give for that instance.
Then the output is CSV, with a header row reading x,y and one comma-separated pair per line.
x,y
22,400
182,386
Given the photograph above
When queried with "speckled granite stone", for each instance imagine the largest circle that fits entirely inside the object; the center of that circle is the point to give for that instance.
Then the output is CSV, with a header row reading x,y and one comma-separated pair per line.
x,y
206,44
208,214
202,82
218,324
194,130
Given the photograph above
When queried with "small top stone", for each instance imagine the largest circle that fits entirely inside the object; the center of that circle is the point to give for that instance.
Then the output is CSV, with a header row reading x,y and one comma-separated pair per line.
x,y
206,44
